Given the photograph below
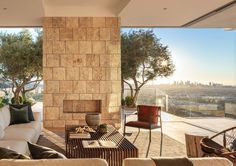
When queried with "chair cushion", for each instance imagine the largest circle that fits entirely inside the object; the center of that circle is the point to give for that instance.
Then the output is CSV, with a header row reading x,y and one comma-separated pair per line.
x,y
23,133
143,125
147,113
30,112
19,115
41,152
11,154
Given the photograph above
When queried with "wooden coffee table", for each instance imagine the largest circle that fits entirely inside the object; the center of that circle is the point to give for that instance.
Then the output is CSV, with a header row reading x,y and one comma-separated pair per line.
x,y
114,156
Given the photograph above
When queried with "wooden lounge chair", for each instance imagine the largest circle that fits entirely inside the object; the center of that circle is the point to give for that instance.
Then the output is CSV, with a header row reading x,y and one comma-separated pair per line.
x,y
223,149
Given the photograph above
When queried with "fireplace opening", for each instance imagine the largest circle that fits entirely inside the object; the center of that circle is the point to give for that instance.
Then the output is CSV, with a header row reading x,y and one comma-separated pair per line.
x,y
82,106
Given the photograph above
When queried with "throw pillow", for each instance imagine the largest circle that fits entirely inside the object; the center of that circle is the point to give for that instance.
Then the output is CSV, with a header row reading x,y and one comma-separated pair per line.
x,y
233,145
30,112
10,154
41,152
2,132
19,115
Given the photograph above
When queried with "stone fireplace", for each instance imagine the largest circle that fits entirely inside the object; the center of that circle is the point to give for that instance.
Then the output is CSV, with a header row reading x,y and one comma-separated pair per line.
x,y
81,69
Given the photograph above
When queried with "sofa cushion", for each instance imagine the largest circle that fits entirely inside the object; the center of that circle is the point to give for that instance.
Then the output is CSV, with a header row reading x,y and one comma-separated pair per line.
x,y
23,133
11,154
41,152
2,132
19,146
19,115
5,113
31,125
28,105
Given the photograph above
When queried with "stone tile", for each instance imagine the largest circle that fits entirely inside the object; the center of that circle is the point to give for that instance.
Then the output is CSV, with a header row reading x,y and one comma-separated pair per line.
x,y
58,22
58,99
103,99
85,21
47,47
51,113
105,86
105,34
79,33
66,60
58,47
47,98
113,100
72,96
58,123
72,22
104,60
47,123
47,22
72,122
58,73
119,73
114,73
115,34
72,47
79,60
52,33
99,74
47,73
85,47
99,47
116,86
92,60
66,34
93,87
79,86
93,33
85,73
79,116
115,60
66,86
72,73
112,47
53,60
52,86
85,96
99,21
111,22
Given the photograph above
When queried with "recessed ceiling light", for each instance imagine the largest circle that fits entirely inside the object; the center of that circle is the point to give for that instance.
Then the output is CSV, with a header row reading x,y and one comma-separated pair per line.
x,y
4,8
164,8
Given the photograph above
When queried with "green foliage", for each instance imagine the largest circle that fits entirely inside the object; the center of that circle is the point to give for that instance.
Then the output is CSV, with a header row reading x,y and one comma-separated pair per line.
x,y
129,101
1,102
122,102
143,58
21,60
20,100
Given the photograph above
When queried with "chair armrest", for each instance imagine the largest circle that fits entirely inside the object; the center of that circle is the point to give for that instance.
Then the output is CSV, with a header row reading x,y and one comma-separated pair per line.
x,y
37,116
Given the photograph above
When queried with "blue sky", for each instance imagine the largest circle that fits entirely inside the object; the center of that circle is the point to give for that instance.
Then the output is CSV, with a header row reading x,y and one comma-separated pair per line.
x,y
200,55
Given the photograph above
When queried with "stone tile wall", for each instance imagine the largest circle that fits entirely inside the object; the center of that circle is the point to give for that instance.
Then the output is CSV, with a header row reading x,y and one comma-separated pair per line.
x,y
81,61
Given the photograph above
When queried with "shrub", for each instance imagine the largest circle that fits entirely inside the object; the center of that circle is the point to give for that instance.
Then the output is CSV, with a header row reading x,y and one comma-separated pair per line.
x,y
128,101
122,102
20,100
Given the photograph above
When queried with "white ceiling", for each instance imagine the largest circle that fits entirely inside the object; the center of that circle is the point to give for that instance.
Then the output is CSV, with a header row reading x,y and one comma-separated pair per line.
x,y
133,13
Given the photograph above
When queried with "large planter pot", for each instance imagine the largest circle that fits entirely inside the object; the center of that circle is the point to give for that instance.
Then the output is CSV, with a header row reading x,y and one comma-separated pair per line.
x,y
93,119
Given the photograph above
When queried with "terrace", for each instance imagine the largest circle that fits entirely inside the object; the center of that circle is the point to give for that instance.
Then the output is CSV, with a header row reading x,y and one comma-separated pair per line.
x,y
82,65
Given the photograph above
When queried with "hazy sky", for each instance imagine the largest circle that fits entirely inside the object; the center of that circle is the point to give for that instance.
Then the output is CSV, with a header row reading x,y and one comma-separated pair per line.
x,y
202,55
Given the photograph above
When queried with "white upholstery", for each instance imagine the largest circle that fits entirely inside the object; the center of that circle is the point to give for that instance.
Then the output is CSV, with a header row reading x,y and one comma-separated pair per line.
x,y
2,132
210,161
55,162
15,136
5,113
17,145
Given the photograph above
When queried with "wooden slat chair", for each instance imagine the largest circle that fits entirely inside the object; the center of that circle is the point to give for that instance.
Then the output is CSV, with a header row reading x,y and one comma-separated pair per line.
x,y
147,119
213,148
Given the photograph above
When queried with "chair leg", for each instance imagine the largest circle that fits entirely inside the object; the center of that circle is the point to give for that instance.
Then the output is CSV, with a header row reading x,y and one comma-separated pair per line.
x,y
124,130
150,135
161,142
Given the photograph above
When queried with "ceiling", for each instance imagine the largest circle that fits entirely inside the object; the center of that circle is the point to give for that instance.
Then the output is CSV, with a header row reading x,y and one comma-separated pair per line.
x,y
133,13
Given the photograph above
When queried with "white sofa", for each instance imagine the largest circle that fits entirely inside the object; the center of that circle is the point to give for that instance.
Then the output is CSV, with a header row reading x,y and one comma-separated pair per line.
x,y
210,161
54,162
15,137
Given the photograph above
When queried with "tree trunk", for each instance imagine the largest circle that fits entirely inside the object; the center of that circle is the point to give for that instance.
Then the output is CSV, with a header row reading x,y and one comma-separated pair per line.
x,y
135,97
23,93
122,88
16,97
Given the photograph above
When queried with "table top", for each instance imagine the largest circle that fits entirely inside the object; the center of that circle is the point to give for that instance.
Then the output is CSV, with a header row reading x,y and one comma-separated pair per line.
x,y
112,135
